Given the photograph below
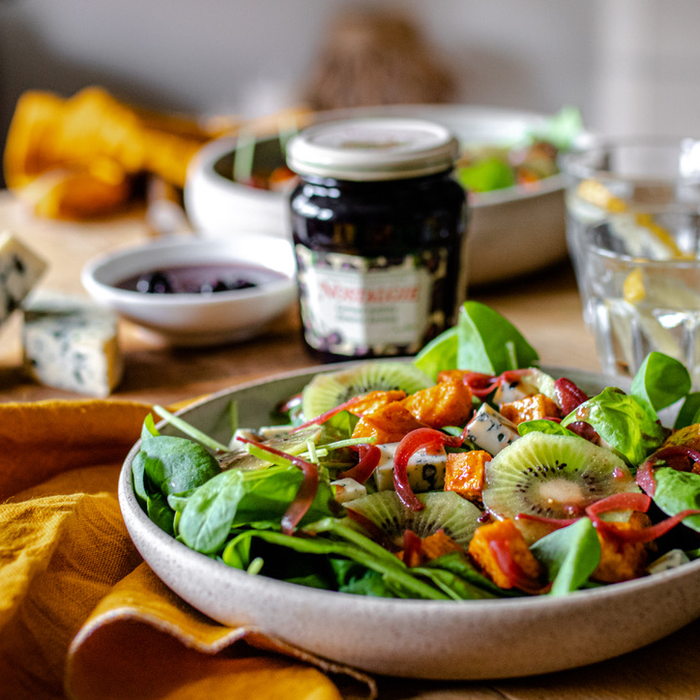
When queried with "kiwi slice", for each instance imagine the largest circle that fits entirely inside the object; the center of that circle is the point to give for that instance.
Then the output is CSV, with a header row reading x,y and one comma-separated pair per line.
x,y
329,389
444,510
292,443
554,476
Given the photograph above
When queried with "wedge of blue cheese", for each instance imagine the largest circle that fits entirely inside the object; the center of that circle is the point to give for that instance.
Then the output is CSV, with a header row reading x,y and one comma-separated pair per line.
x,y
20,270
425,469
491,431
71,344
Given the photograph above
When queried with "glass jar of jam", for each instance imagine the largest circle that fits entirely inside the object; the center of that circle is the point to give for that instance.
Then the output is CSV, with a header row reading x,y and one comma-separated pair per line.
x,y
378,225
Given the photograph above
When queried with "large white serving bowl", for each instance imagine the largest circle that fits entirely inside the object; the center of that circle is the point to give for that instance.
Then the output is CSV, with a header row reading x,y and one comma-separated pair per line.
x,y
411,638
512,232
190,320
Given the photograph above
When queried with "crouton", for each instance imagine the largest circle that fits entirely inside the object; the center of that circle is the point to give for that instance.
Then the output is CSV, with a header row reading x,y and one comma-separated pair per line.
x,y
530,408
501,552
445,403
388,423
464,473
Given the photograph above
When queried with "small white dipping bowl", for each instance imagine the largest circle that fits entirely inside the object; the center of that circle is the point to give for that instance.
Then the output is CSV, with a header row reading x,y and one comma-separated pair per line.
x,y
197,319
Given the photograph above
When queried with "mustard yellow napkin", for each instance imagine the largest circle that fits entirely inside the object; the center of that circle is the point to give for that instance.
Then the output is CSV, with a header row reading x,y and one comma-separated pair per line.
x,y
81,616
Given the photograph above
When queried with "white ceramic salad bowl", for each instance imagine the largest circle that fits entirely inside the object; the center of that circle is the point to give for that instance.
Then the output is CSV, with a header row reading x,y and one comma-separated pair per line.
x,y
412,638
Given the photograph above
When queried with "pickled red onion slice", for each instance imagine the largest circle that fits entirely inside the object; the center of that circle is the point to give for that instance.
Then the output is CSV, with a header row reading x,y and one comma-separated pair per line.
x,y
412,548
305,493
554,522
619,501
510,567
569,396
417,439
482,385
633,501
369,459
318,420
645,473
645,478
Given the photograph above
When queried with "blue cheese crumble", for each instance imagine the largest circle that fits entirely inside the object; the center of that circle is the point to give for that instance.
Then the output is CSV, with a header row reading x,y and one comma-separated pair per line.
x,y
20,270
71,344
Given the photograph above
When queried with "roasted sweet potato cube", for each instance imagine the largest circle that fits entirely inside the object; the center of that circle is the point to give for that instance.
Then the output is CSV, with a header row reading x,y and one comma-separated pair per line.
x,y
374,400
464,473
439,543
620,560
431,547
445,403
500,550
452,375
388,423
689,436
530,408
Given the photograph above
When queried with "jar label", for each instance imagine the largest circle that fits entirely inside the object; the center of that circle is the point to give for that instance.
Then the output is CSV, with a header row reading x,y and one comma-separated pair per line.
x,y
356,306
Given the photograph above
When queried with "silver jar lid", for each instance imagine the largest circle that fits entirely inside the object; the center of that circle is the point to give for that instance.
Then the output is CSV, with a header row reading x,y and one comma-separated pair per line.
x,y
373,149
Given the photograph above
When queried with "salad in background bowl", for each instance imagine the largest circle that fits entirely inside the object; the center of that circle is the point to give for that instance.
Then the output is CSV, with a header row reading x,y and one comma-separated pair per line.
x,y
416,565
514,208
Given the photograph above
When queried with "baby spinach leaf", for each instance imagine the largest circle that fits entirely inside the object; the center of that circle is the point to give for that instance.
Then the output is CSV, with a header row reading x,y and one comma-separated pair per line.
x,y
160,512
660,382
148,429
236,553
570,555
175,464
190,430
622,422
268,493
678,491
689,412
138,478
489,343
453,577
206,519
440,353
362,581
542,425
340,425
482,341
397,575
312,580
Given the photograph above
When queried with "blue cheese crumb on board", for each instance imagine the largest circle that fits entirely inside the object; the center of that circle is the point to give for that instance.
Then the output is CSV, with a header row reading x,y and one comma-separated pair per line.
x,y
20,270
71,344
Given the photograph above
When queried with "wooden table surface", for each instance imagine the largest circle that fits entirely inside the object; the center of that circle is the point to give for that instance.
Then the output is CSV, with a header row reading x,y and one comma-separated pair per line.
x,y
545,307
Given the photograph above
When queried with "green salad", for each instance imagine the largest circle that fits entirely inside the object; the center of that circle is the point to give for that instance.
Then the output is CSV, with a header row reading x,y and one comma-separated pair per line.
x,y
464,473
487,167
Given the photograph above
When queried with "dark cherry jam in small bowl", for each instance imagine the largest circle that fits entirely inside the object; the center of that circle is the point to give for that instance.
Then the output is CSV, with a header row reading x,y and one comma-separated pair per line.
x,y
192,291
203,278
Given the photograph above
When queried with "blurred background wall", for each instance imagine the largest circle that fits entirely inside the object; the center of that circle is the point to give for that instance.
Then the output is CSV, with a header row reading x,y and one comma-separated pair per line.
x,y
629,65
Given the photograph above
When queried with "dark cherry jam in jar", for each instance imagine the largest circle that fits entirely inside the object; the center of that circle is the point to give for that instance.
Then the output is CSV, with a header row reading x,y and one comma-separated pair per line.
x,y
378,225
